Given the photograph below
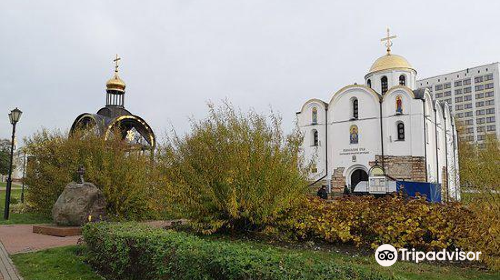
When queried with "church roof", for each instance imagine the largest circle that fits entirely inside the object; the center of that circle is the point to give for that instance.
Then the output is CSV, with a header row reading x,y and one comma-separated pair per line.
x,y
116,84
419,93
390,61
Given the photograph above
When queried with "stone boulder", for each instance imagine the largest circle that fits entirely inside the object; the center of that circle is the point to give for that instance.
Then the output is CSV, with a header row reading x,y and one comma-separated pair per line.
x,y
76,203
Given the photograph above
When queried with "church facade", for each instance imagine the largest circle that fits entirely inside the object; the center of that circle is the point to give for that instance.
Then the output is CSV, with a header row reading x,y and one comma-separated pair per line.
x,y
385,122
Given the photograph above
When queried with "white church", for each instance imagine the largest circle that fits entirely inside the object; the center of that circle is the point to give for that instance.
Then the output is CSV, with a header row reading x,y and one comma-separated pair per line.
x,y
385,122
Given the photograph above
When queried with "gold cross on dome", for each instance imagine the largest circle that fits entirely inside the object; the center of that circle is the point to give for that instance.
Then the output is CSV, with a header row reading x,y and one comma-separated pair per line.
x,y
388,42
116,62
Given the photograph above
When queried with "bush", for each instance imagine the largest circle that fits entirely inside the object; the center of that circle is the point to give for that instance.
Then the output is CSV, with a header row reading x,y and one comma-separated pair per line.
x,y
233,171
483,233
415,223
479,169
133,251
127,181
479,174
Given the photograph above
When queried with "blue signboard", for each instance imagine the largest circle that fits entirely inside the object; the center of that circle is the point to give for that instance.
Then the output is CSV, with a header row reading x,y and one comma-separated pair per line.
x,y
431,191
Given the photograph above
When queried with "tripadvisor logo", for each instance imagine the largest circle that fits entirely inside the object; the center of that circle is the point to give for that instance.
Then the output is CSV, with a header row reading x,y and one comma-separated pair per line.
x,y
387,255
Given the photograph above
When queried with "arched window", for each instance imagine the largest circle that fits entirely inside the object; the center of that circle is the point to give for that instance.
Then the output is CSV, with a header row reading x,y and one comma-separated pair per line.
x,y
399,104
401,131
383,82
314,115
353,134
369,83
315,138
355,108
402,80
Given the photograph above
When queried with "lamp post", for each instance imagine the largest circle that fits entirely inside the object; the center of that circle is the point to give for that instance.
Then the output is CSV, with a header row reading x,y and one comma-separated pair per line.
x,y
14,117
24,176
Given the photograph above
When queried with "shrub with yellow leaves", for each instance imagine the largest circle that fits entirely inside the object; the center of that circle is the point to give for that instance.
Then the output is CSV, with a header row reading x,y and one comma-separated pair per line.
x,y
410,223
233,171
125,179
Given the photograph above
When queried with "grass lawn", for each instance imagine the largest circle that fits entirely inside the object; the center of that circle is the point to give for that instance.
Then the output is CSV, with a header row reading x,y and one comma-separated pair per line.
x,y
419,271
16,218
65,263
58,263
404,270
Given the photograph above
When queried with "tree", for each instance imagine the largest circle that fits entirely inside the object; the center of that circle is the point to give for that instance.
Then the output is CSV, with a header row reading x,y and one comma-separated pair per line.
x,y
4,156
479,174
479,171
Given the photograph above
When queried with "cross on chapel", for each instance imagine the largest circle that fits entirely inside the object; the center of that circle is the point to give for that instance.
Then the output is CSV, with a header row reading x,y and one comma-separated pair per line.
x,y
116,62
388,42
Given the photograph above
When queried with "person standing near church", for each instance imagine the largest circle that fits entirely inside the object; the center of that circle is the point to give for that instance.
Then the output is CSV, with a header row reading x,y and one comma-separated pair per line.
x,y
346,190
322,193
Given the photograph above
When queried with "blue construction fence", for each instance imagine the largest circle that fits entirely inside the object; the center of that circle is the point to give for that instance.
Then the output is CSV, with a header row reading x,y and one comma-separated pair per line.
x,y
431,191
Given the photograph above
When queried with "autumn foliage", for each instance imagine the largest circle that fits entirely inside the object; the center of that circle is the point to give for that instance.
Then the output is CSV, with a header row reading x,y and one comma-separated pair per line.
x,y
480,180
415,223
127,180
233,171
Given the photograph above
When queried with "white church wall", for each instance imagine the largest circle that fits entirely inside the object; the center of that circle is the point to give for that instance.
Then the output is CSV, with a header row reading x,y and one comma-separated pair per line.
x,y
417,127
341,103
411,117
430,139
452,181
441,143
392,78
344,153
441,148
312,153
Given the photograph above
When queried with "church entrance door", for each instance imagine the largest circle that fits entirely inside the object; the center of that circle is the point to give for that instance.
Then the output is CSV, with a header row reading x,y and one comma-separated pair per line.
x,y
357,176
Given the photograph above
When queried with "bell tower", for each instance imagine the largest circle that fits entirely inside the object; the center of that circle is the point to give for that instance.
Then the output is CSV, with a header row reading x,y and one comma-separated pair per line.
x,y
390,70
115,89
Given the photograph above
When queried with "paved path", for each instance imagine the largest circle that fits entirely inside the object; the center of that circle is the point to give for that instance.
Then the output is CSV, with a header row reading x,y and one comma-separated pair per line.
x,y
7,269
21,239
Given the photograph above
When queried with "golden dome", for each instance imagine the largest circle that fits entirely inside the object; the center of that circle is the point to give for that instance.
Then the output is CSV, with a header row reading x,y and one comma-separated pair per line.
x,y
116,84
390,61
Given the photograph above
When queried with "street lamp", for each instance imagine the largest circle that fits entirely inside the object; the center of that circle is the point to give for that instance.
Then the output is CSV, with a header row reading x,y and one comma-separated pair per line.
x,y
14,117
24,175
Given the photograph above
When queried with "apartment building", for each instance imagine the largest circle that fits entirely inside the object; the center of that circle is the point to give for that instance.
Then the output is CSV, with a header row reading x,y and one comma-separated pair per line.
x,y
474,96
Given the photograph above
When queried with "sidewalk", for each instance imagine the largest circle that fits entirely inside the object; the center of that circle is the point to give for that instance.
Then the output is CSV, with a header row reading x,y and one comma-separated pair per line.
x,y
7,268
21,239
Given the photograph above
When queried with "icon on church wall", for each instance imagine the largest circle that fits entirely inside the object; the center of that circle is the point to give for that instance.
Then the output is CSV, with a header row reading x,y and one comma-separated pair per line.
x,y
399,104
353,134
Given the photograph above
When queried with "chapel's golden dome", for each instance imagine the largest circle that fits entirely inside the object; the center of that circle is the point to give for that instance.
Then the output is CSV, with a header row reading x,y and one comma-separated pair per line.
x,y
390,61
116,84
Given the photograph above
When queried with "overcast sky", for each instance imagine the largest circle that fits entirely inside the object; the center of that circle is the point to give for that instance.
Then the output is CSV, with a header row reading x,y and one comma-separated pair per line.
x,y
56,56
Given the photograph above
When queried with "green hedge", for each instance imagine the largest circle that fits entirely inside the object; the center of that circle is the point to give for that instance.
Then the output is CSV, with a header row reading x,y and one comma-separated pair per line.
x,y
135,251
